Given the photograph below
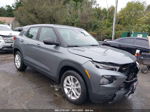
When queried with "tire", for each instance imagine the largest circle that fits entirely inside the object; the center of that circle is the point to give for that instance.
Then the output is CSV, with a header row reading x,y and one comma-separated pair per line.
x,y
18,61
73,87
144,69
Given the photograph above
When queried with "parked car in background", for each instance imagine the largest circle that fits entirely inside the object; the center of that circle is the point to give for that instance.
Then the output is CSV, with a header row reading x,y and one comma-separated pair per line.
x,y
19,29
130,44
6,37
73,58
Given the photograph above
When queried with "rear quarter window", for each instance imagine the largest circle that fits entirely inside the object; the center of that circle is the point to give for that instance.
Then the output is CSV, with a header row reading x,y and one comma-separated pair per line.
x,y
142,43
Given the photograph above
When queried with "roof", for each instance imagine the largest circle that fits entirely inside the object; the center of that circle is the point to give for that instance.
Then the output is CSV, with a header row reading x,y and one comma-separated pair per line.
x,y
7,20
52,25
134,38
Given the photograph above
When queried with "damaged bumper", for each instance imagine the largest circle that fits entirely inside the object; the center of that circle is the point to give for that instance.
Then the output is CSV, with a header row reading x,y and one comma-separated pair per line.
x,y
128,92
124,85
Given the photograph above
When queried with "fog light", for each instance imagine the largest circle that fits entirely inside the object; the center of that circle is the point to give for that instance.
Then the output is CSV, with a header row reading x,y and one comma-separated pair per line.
x,y
107,80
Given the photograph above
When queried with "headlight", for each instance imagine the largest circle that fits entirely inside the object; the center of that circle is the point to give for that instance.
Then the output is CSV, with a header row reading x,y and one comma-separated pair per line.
x,y
106,67
107,80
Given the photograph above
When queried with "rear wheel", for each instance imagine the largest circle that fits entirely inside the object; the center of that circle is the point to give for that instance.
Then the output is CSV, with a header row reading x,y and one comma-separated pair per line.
x,y
73,87
18,60
144,69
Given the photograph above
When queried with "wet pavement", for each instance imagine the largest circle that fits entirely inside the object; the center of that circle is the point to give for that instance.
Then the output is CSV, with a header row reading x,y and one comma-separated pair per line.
x,y
32,90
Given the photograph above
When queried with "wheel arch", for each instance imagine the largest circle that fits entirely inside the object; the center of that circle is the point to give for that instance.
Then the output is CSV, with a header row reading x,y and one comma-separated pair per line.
x,y
76,67
15,50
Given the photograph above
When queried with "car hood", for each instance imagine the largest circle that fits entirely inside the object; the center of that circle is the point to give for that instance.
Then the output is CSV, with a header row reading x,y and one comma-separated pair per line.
x,y
104,54
9,33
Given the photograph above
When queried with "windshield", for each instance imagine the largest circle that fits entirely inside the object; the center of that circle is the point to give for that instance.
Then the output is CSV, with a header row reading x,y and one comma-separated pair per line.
x,y
5,28
76,37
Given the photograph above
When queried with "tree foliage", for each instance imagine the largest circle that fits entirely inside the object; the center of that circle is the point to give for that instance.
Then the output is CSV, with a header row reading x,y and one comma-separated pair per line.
x,y
7,11
81,13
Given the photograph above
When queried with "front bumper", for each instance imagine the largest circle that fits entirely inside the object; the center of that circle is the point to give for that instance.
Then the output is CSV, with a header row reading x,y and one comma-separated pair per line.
x,y
110,92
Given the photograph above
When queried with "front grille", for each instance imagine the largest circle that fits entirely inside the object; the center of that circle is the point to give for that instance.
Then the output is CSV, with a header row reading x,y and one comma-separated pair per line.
x,y
130,70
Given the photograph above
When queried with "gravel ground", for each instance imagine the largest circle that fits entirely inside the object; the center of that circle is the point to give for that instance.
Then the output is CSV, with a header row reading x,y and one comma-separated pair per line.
x,y
32,90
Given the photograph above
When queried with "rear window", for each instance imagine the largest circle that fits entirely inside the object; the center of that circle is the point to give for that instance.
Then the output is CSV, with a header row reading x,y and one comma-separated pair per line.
x,y
142,43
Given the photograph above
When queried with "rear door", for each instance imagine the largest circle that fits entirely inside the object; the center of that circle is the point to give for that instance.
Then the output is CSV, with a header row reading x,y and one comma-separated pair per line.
x,y
29,45
48,56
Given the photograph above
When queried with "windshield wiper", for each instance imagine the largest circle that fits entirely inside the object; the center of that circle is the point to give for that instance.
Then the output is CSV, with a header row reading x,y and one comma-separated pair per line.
x,y
73,46
94,45
81,46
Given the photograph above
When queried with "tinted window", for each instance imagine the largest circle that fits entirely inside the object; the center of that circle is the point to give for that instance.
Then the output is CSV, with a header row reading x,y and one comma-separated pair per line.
x,y
32,33
47,33
126,40
142,43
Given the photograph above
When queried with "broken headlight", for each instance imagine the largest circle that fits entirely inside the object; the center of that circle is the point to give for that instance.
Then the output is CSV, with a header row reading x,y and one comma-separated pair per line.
x,y
106,66
104,80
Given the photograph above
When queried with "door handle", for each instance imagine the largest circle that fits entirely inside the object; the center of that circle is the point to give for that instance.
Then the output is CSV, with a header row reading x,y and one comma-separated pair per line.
x,y
38,45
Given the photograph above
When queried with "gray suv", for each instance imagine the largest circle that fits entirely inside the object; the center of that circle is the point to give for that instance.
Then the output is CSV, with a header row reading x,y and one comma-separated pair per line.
x,y
73,58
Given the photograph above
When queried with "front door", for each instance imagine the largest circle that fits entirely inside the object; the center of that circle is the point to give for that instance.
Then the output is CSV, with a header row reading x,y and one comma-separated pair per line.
x,y
48,55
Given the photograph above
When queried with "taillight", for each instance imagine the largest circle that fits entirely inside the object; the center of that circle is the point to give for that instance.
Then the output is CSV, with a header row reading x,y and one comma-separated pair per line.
x,y
137,53
14,38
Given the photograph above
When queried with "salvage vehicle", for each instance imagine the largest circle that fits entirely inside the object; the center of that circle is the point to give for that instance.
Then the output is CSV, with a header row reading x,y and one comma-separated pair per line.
x,y
6,37
130,44
73,58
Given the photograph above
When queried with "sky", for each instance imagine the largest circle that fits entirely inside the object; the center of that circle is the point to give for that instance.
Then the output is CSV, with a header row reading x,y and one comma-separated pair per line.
x,y
102,3
121,3
6,2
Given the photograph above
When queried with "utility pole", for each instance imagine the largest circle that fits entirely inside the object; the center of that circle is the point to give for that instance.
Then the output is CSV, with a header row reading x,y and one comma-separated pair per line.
x,y
114,21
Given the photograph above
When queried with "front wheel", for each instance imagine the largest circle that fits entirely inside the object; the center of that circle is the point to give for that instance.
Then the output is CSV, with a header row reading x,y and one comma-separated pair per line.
x,y
73,87
18,60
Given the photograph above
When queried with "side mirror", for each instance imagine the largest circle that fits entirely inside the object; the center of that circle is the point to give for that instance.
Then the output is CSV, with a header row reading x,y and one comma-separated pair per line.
x,y
50,42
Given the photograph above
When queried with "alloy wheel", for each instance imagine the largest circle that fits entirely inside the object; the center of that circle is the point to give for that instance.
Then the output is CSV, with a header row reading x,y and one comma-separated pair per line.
x,y
72,87
17,61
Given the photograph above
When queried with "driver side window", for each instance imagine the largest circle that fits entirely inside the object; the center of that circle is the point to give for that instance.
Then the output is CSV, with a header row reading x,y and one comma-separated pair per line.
x,y
47,33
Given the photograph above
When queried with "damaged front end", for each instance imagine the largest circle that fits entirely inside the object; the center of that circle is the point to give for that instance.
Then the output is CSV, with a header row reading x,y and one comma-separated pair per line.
x,y
111,82
129,86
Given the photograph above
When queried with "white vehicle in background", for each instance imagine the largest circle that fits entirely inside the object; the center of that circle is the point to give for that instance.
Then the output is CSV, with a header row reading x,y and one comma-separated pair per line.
x,y
6,37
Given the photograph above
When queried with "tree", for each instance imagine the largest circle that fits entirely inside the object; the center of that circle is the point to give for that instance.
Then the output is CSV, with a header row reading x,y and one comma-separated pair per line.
x,y
84,13
2,11
148,8
71,12
37,11
7,11
129,16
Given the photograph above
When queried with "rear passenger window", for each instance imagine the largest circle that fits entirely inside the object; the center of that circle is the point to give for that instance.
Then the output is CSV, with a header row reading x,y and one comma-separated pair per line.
x,y
142,43
127,40
47,33
32,33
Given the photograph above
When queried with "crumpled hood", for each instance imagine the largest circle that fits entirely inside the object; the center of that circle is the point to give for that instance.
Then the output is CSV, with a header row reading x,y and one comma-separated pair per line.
x,y
104,54
9,33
